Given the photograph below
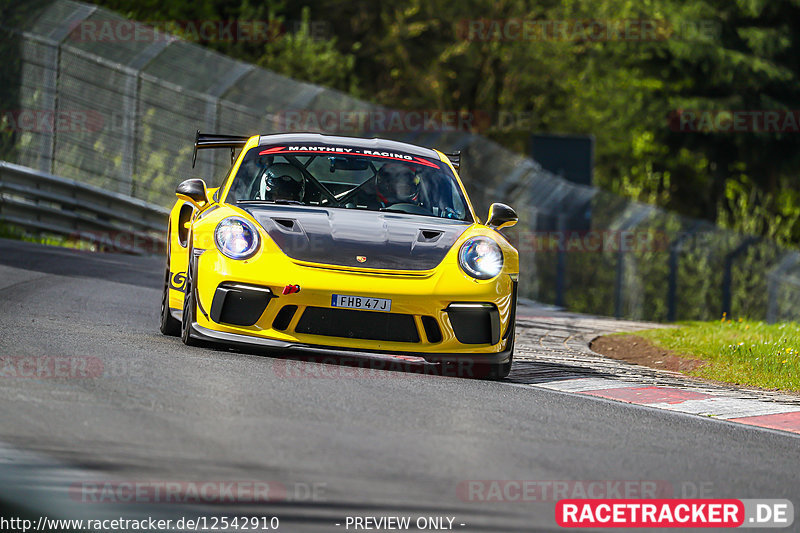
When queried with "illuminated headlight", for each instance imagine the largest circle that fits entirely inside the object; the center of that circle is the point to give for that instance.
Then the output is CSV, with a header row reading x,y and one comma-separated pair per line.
x,y
236,238
481,258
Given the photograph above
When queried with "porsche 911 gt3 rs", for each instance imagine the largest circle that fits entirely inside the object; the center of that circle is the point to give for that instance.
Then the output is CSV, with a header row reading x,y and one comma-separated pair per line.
x,y
338,244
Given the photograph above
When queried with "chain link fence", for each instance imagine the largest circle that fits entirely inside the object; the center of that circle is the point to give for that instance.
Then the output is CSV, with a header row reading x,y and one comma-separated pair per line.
x,y
94,97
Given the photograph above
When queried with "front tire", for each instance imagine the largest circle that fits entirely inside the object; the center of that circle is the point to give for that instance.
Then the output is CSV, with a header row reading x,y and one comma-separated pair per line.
x,y
493,372
189,309
499,371
169,324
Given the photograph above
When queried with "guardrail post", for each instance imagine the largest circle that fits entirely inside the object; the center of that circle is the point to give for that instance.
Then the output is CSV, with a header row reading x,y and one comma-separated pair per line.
x,y
561,261
675,249
127,126
50,82
786,263
672,280
772,296
48,104
131,147
727,276
618,280
639,214
214,96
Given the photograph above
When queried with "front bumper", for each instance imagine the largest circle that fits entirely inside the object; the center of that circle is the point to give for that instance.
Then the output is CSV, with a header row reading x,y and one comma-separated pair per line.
x,y
437,309
247,341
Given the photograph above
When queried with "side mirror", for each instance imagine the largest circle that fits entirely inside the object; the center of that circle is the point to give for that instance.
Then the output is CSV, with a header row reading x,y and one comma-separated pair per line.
x,y
193,191
501,216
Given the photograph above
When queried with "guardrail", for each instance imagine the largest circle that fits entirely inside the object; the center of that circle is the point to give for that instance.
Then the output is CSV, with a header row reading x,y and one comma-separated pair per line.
x,y
46,203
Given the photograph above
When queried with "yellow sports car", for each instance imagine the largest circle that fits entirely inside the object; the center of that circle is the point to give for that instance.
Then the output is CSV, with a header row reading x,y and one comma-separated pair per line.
x,y
340,245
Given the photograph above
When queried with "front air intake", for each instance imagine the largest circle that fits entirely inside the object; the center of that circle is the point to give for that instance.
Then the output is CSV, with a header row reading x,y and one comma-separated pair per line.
x,y
284,317
352,324
475,323
239,304
432,330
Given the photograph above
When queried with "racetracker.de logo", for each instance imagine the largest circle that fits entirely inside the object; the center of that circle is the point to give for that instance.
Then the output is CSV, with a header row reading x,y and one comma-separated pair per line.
x,y
650,513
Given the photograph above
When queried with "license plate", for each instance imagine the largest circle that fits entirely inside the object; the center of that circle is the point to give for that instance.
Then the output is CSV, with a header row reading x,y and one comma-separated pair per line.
x,y
361,302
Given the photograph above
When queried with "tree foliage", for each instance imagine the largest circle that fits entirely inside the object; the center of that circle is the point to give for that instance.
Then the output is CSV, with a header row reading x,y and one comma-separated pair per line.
x,y
707,56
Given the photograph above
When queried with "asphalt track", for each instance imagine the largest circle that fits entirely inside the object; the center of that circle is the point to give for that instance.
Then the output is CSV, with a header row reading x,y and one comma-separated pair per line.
x,y
371,444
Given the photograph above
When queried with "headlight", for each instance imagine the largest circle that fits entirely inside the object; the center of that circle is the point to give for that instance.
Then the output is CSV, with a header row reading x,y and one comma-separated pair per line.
x,y
481,258
236,238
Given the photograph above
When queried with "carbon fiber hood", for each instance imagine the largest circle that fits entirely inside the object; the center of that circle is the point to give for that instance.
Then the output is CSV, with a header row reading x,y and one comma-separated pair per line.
x,y
390,241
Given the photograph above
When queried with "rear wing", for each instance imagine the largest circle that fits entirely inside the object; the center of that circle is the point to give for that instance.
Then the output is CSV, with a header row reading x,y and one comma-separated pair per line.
x,y
455,158
215,140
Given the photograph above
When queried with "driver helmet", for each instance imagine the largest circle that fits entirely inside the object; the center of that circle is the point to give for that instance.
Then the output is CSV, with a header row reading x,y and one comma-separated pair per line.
x,y
282,181
397,184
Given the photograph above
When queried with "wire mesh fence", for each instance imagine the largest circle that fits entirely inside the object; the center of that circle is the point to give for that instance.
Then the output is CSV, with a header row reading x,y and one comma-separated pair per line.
x,y
91,96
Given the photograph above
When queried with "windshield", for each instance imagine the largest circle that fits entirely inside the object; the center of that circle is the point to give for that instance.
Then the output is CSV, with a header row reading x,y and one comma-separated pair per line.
x,y
349,178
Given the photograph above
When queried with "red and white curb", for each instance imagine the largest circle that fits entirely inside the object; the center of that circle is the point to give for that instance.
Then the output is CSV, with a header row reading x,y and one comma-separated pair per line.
x,y
785,417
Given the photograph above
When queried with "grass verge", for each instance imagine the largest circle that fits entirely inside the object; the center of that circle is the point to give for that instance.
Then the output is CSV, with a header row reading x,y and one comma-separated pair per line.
x,y
741,352
9,231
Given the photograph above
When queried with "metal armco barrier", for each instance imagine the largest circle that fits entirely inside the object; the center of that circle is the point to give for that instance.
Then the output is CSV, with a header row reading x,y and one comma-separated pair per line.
x,y
42,202
118,117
